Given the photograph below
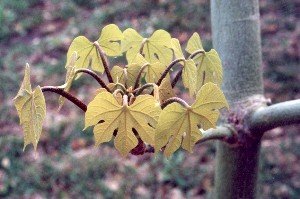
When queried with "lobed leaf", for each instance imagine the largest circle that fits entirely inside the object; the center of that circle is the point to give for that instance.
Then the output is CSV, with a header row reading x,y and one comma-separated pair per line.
x,y
208,63
142,116
178,126
189,76
194,44
209,68
155,48
165,90
127,75
109,42
177,49
152,71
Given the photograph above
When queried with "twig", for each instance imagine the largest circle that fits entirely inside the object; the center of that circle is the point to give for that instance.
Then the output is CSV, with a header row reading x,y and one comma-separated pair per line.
x,y
137,81
65,94
176,78
104,61
197,52
95,76
138,91
174,99
164,74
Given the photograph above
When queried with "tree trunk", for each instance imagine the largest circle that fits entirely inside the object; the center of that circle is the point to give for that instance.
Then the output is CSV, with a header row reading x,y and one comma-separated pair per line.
x,y
236,37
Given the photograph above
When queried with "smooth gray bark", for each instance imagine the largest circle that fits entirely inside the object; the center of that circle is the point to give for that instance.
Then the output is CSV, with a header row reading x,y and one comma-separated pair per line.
x,y
267,118
236,37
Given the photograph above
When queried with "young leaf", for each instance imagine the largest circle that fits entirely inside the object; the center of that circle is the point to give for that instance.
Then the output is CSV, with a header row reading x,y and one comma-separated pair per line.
x,y
209,68
189,76
208,63
71,72
153,71
177,49
142,115
131,43
125,75
155,48
25,86
31,108
165,90
109,42
178,126
194,44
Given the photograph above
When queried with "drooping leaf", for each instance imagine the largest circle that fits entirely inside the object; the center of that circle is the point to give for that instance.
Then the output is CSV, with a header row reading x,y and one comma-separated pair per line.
x,y
165,90
142,116
194,44
71,72
109,42
155,48
189,76
177,49
209,68
31,109
25,86
178,126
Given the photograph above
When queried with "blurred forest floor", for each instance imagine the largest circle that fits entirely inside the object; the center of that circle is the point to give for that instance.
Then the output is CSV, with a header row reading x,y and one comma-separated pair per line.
x,y
67,164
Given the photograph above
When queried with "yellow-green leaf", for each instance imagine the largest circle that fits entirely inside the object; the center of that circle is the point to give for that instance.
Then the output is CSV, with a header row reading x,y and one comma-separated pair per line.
x,y
178,126
189,76
109,42
165,90
31,107
152,71
142,115
194,44
71,72
25,86
125,75
87,54
208,63
155,48
209,68
132,39
177,49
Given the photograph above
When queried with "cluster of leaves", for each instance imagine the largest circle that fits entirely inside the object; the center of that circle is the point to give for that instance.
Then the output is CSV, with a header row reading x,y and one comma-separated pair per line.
x,y
138,106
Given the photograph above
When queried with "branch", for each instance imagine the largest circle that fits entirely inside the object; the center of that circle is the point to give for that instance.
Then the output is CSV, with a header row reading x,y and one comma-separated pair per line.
x,y
267,118
172,64
223,133
95,76
65,94
104,61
